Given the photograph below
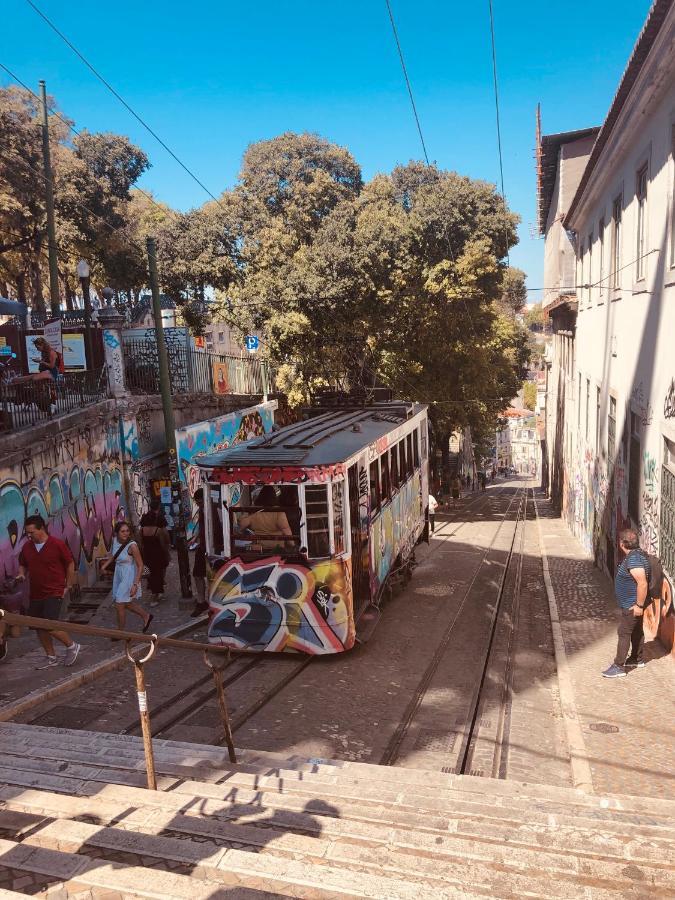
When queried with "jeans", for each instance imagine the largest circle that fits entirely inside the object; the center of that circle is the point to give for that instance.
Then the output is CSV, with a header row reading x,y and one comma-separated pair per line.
x,y
630,637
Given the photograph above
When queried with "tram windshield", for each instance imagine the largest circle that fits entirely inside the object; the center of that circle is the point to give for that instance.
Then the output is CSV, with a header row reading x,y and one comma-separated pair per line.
x,y
253,520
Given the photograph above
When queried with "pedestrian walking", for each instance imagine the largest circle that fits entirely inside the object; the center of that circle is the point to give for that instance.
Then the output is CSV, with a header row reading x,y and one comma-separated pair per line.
x,y
126,589
50,567
154,540
199,566
433,506
455,487
631,588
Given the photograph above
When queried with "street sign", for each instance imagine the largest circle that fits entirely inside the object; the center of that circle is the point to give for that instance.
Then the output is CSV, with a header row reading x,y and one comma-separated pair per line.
x,y
252,342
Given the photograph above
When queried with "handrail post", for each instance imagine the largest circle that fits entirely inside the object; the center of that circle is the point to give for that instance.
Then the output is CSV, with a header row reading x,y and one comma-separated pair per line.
x,y
217,672
144,713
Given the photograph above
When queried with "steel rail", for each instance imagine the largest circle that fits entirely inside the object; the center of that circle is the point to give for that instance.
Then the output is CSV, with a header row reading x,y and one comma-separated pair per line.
x,y
392,749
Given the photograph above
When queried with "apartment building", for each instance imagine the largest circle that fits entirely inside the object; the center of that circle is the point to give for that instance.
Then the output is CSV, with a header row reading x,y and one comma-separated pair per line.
x,y
611,383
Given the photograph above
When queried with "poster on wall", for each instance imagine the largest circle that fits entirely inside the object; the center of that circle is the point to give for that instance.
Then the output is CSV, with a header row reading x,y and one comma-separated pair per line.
x,y
220,382
52,333
72,347
74,355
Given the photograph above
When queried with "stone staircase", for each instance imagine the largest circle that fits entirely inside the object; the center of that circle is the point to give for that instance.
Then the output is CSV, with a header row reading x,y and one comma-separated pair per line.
x,y
76,821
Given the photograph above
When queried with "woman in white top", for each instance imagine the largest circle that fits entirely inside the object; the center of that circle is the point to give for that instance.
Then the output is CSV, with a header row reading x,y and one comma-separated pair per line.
x,y
126,589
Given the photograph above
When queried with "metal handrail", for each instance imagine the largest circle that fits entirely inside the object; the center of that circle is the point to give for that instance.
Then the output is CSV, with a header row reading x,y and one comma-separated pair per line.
x,y
152,641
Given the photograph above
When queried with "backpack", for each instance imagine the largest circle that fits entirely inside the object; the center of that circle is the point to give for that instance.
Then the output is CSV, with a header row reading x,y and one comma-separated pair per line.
x,y
655,577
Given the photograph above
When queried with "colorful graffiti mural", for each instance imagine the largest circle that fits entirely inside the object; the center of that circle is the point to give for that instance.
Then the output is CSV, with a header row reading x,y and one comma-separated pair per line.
x,y
277,605
218,434
396,530
81,506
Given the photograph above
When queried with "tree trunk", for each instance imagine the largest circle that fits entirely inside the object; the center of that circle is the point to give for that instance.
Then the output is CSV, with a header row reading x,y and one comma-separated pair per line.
x,y
21,287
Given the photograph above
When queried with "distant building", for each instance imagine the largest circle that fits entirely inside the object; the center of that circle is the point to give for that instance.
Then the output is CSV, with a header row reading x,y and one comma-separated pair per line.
x,y
611,385
142,315
517,442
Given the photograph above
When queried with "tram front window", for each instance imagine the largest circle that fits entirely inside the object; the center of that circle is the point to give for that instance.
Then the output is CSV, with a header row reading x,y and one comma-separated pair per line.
x,y
316,505
266,519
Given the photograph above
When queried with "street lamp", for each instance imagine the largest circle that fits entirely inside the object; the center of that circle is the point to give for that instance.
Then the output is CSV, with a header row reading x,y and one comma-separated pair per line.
x,y
83,272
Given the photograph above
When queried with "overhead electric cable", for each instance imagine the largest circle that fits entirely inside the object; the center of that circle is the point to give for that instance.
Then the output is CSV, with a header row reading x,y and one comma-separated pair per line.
x,y
407,81
122,101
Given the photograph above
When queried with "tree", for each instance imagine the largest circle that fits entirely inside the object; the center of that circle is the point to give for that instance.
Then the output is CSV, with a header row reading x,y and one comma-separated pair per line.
x,y
534,317
530,395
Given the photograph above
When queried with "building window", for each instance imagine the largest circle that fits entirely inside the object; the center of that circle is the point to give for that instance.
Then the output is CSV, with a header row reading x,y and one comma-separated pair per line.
x,y
611,435
616,242
597,421
588,403
221,335
635,469
641,247
601,248
589,275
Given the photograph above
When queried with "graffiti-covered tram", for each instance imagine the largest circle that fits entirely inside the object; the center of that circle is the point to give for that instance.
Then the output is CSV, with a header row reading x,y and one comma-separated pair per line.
x,y
306,526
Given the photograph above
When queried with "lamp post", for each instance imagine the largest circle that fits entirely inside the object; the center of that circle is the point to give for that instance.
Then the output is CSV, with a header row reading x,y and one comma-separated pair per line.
x,y
83,272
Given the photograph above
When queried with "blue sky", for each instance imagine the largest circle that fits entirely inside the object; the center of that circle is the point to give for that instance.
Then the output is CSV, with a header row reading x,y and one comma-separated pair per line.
x,y
212,77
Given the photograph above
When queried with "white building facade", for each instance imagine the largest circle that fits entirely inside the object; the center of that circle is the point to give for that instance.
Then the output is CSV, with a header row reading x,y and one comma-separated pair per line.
x,y
611,398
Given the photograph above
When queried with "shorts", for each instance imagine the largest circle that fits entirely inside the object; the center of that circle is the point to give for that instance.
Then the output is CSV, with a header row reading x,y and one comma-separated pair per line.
x,y
49,608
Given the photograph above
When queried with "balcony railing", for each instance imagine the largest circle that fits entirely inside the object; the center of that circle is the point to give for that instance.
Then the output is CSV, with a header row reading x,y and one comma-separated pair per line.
x,y
193,371
28,401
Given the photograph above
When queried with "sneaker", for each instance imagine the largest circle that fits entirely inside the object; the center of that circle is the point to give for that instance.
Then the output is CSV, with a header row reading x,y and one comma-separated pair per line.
x,y
71,654
634,665
614,672
48,663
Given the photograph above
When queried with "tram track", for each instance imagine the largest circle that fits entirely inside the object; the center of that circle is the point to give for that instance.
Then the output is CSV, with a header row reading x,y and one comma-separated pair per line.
x,y
467,729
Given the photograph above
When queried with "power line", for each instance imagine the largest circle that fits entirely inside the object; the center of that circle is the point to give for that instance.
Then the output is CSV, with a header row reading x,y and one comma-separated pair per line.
x,y
499,130
407,80
122,100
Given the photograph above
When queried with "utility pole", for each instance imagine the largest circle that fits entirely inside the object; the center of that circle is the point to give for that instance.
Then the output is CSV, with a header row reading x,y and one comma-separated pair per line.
x,y
49,199
169,426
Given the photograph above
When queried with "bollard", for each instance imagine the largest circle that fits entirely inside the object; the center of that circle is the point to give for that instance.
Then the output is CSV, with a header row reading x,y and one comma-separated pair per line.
x,y
220,690
143,711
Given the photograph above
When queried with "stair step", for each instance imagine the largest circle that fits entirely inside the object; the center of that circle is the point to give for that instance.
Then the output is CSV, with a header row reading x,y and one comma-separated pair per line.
x,y
234,867
461,816
521,851
457,811
208,860
381,784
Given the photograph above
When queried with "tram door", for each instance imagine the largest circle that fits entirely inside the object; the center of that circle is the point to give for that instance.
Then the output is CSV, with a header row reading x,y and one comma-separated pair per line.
x,y
359,535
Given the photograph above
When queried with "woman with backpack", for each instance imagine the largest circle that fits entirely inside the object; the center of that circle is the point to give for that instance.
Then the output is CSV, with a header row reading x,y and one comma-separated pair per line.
x,y
155,542
127,565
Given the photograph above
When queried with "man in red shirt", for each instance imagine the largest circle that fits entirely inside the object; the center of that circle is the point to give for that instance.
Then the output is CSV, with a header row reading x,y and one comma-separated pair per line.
x,y
51,570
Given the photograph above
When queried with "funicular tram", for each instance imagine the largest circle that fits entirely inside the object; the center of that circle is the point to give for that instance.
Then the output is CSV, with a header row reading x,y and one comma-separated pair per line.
x,y
306,526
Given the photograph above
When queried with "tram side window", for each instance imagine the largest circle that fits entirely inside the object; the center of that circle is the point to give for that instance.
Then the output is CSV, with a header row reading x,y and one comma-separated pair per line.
x,y
402,462
416,448
215,522
316,506
393,468
338,516
374,487
386,480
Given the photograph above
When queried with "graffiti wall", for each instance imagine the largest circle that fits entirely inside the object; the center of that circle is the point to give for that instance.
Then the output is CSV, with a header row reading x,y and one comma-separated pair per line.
x,y
275,605
74,481
218,434
396,530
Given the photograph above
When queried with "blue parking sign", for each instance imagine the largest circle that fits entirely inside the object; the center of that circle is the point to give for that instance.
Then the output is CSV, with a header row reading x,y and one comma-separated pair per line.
x,y
252,342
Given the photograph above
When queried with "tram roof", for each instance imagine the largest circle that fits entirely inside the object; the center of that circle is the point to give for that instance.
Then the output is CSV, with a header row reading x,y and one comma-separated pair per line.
x,y
326,437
